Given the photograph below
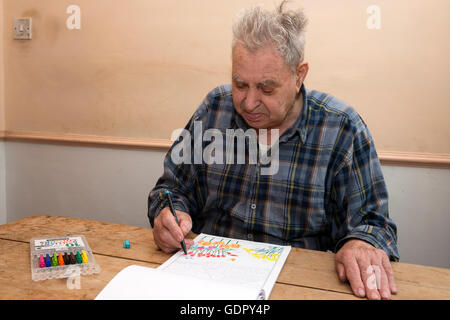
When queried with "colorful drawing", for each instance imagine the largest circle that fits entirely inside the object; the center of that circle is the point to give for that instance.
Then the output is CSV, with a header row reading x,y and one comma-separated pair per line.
x,y
235,261
213,249
271,254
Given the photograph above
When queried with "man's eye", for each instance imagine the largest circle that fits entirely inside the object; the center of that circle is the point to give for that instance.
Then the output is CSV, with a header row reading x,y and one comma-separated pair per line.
x,y
241,85
267,90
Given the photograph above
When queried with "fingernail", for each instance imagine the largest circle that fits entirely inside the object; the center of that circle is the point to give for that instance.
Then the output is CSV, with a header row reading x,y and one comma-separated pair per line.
x,y
375,296
385,295
361,293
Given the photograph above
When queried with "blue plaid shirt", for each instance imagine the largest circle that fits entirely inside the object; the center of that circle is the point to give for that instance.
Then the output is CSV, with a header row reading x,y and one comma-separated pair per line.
x,y
329,186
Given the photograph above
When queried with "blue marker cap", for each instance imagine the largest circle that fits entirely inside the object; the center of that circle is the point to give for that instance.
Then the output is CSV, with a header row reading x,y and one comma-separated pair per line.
x,y
126,244
48,262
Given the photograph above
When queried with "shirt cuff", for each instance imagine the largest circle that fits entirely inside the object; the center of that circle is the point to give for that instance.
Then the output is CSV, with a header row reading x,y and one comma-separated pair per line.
x,y
161,203
375,238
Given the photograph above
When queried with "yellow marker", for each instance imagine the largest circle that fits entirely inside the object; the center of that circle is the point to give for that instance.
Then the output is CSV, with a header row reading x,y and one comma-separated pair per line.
x,y
84,256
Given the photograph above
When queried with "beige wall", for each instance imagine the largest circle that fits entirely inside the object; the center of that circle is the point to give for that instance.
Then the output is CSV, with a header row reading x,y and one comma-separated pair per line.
x,y
139,68
2,80
2,126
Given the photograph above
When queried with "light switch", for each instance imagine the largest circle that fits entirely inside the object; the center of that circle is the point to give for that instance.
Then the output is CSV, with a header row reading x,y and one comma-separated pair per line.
x,y
22,28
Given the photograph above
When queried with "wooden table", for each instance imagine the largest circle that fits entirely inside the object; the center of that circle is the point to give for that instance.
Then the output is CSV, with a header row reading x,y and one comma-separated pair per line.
x,y
307,274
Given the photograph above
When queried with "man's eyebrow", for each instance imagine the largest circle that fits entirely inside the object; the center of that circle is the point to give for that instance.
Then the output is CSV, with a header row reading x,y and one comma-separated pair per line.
x,y
269,82
264,83
237,79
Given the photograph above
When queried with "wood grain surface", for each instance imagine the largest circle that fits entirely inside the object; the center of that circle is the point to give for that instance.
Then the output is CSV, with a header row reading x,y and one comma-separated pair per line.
x,y
307,274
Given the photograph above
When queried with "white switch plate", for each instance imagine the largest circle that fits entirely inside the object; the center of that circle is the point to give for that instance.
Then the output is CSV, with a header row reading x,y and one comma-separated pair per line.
x,y
22,29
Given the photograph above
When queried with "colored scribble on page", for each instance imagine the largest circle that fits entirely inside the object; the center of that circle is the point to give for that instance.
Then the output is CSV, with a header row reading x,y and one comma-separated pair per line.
x,y
213,249
229,250
271,254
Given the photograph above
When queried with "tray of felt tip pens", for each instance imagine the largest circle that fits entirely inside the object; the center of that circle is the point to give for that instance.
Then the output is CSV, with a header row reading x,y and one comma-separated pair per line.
x,y
61,257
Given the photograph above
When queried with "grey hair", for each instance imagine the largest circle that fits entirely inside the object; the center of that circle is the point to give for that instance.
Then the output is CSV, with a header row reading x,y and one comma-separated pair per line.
x,y
256,28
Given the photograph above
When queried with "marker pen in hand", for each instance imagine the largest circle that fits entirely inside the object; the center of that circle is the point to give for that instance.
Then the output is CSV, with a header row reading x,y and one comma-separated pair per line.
x,y
183,244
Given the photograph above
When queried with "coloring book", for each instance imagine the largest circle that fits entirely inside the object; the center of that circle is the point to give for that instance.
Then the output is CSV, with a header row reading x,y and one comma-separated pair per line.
x,y
215,268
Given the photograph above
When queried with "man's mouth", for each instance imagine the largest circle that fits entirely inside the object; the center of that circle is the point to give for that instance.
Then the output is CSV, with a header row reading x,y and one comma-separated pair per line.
x,y
253,116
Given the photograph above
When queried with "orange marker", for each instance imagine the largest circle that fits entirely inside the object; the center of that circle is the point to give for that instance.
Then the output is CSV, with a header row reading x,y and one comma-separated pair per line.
x,y
60,259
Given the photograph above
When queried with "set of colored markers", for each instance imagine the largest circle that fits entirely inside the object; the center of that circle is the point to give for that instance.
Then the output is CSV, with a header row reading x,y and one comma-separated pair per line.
x,y
61,257
62,260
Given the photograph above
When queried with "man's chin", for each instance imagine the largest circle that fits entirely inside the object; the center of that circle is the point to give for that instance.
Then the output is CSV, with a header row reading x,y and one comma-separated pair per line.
x,y
256,123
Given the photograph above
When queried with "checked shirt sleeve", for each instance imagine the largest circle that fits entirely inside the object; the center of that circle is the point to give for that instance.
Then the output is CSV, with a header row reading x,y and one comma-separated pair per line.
x,y
359,195
181,179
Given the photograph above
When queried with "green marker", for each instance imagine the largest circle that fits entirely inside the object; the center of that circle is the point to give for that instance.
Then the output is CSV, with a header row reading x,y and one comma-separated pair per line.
x,y
54,260
78,256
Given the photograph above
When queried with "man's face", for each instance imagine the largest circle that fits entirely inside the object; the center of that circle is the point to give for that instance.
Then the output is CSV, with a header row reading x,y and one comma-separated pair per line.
x,y
264,88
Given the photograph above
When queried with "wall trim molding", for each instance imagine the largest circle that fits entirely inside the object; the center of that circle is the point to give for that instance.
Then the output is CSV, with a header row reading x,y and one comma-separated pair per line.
x,y
391,158
414,159
81,139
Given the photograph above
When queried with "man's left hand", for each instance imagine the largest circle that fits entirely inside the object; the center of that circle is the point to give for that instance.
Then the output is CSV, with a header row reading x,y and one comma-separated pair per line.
x,y
367,268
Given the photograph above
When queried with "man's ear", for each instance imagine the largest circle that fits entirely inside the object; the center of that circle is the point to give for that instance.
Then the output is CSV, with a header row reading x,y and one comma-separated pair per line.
x,y
301,73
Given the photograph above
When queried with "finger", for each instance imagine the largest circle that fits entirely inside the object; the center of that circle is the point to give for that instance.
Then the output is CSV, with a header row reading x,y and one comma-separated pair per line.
x,y
162,236
390,274
185,222
169,222
162,245
341,271
370,274
353,274
384,289
160,233
173,245
381,277
166,241
189,243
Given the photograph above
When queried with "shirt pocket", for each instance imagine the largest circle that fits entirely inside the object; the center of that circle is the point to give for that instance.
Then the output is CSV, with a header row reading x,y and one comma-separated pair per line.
x,y
297,202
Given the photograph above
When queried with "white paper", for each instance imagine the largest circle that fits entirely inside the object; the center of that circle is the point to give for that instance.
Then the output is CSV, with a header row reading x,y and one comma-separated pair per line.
x,y
215,268
142,283
246,264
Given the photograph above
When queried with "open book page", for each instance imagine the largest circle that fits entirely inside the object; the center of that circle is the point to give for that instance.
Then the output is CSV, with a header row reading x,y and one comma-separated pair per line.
x,y
244,264
142,283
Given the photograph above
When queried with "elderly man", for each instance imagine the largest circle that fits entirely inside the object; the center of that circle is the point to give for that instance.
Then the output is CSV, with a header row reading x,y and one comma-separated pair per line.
x,y
327,192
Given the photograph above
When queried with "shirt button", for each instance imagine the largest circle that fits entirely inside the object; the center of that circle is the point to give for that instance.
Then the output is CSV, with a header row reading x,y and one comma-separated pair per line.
x,y
253,206
250,236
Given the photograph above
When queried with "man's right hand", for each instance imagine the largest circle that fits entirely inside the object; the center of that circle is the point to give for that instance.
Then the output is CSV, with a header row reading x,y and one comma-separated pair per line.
x,y
168,234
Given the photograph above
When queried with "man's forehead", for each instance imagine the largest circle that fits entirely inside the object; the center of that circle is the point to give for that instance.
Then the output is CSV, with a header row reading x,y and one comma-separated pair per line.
x,y
262,65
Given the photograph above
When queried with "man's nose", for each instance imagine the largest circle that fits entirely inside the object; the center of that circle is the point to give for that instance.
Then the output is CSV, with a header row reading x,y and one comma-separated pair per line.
x,y
252,100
